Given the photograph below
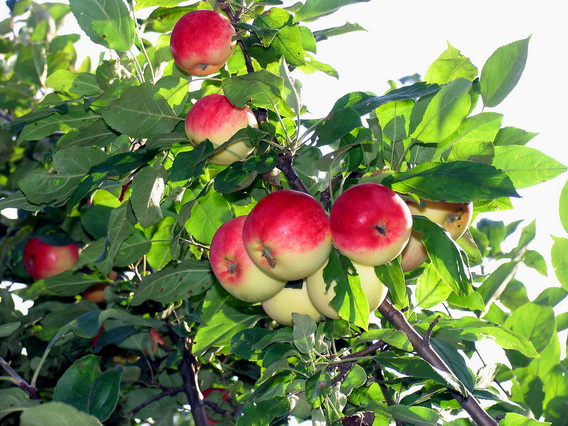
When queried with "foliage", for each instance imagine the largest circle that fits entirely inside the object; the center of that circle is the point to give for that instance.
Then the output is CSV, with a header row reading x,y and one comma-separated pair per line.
x,y
97,152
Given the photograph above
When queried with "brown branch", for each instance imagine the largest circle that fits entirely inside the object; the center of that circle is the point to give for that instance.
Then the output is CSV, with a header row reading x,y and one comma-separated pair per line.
x,y
285,166
385,390
19,381
345,367
234,18
468,402
165,392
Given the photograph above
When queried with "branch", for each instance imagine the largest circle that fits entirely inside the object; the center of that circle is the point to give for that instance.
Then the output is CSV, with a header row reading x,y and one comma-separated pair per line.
x,y
385,390
423,348
165,392
19,381
285,166
345,367
234,18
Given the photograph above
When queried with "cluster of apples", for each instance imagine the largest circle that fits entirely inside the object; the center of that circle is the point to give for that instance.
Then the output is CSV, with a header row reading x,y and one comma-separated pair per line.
x,y
287,237
202,41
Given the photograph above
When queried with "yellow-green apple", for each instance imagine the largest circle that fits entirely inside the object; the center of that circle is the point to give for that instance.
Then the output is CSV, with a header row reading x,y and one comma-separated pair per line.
x,y
43,260
453,217
287,235
321,295
233,267
202,42
370,224
288,301
216,119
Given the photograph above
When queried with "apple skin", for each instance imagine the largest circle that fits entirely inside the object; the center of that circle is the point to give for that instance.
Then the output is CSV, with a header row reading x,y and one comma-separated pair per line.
x,y
216,119
233,267
374,289
95,293
44,260
202,41
287,235
288,301
370,224
453,217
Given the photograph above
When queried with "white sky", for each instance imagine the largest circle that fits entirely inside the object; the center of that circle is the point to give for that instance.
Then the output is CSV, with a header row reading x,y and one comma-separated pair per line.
x,y
405,37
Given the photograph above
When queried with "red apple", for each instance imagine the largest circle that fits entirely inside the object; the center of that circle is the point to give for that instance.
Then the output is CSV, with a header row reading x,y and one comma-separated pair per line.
x,y
287,235
202,42
44,260
321,295
370,224
288,301
233,267
216,119
453,217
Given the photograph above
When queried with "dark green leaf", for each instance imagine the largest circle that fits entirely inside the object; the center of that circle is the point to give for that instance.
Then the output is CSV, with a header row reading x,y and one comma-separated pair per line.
x,y
391,275
57,414
147,192
304,332
261,87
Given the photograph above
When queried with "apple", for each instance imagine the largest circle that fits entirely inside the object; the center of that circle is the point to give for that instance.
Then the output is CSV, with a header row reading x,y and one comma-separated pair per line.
x,y
321,297
288,301
216,119
453,217
43,260
233,267
370,224
287,235
202,41
95,293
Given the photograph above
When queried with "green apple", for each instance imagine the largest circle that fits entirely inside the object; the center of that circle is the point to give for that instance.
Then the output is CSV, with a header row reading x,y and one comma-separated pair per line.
x,y
288,301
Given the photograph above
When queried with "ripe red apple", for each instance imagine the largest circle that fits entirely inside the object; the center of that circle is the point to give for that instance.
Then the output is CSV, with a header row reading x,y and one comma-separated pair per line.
x,y
287,235
288,301
202,42
44,260
370,224
216,119
233,267
373,287
454,217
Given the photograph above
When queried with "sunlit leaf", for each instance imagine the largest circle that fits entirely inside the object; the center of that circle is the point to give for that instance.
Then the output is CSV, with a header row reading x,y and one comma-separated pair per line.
x,y
57,414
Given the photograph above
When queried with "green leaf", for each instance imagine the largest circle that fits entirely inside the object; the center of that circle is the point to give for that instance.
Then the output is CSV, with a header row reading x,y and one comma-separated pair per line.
x,y
142,4
176,282
97,134
514,419
14,398
391,275
502,71
262,88
534,322
348,27
445,112
76,116
106,22
223,317
513,136
414,91
431,290
526,166
119,229
456,182
304,332
147,192
559,260
263,412
141,112
70,283
86,388
563,206
190,164
71,82
236,177
208,214
9,328
56,414
449,66
315,9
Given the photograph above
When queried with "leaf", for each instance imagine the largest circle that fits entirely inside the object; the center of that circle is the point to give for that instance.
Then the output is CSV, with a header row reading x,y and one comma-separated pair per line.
x,y
208,214
346,28
449,66
304,332
413,91
142,4
141,112
70,283
262,88
77,83
106,22
222,318
86,388
456,182
176,282
391,275
559,260
526,166
445,112
563,206
502,71
514,419
147,192
119,229
431,290
56,414
261,413
97,134
9,328
513,136
74,117
534,322
13,399
315,9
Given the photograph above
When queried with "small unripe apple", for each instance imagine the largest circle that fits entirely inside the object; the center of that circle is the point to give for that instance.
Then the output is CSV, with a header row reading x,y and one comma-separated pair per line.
x,y
370,224
288,301
287,235
453,217
373,287
216,119
202,42
234,268
44,260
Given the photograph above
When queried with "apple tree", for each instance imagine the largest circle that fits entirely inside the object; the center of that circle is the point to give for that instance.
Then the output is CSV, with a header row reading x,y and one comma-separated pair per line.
x,y
99,156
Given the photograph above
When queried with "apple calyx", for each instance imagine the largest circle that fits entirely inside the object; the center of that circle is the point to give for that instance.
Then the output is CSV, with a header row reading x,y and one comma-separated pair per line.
x,y
381,229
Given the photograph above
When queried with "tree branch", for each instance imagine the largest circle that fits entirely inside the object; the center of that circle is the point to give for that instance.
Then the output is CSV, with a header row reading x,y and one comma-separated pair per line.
x,y
421,346
285,166
18,380
165,392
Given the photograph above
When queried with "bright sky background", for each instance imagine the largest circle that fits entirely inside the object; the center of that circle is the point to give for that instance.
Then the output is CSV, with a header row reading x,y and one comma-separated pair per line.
x,y
404,38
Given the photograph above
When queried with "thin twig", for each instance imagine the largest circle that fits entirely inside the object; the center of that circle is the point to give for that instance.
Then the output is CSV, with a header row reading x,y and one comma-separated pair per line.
x,y
164,393
18,380
428,335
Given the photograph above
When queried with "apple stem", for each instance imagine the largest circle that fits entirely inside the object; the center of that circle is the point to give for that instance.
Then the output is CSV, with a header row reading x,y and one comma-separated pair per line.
x,y
267,254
